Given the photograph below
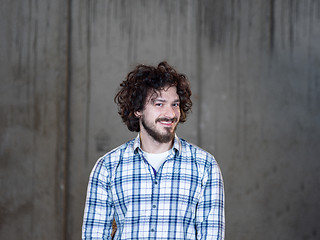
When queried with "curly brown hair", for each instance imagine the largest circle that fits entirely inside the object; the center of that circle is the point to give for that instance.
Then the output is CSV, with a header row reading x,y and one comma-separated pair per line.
x,y
138,84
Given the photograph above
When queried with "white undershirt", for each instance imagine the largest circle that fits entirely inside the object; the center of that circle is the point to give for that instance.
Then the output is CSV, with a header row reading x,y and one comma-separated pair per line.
x,y
156,159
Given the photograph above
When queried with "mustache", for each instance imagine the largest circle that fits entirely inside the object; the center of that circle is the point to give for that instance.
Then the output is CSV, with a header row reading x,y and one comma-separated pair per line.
x,y
167,119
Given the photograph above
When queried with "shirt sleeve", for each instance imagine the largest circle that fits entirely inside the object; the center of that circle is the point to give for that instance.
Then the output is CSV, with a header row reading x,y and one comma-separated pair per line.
x,y
210,216
99,210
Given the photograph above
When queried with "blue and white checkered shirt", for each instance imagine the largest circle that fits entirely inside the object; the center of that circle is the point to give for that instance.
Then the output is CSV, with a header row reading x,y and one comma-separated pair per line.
x,y
183,200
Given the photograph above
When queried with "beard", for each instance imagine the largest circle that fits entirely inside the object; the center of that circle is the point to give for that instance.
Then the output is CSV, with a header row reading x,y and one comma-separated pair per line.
x,y
165,137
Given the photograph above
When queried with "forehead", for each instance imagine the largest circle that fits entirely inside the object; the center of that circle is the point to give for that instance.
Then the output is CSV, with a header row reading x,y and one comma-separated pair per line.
x,y
167,94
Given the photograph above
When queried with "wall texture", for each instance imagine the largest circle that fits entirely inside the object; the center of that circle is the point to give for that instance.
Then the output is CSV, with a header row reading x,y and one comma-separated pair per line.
x,y
32,125
255,76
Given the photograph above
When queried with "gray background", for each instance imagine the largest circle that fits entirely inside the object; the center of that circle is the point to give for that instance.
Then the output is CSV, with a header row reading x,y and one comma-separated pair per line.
x,y
254,68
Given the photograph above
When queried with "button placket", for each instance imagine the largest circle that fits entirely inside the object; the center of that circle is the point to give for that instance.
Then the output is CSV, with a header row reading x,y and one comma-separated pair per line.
x,y
154,207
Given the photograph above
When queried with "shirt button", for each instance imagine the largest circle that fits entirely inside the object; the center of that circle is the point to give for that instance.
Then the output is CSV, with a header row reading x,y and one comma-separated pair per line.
x,y
152,230
154,206
156,182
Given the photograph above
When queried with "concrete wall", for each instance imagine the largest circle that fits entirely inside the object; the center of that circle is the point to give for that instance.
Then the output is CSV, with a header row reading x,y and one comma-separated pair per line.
x,y
255,76
32,125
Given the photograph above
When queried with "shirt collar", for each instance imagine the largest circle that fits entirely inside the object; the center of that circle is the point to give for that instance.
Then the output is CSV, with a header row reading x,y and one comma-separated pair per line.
x,y
176,144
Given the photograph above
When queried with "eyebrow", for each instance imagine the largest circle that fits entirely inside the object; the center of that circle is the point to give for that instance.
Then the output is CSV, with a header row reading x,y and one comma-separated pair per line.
x,y
162,100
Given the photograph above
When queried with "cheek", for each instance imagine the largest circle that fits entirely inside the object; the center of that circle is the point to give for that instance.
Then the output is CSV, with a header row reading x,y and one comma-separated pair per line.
x,y
178,114
152,116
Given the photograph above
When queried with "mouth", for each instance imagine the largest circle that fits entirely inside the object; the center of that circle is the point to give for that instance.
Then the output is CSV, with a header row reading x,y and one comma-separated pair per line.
x,y
166,121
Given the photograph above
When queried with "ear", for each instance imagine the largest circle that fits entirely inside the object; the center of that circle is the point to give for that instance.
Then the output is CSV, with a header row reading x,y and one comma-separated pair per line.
x,y
138,114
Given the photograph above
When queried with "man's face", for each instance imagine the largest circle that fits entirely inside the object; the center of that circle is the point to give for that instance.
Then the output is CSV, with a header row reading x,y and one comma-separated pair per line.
x,y
161,114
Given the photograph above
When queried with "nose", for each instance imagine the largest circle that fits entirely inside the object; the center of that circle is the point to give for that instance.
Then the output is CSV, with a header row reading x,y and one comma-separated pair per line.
x,y
170,112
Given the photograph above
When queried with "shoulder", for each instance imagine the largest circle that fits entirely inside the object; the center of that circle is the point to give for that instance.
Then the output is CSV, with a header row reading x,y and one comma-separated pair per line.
x,y
107,164
204,160
200,155
113,155
206,163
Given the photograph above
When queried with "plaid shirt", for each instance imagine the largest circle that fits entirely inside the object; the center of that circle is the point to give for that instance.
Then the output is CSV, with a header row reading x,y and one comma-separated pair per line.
x,y
183,200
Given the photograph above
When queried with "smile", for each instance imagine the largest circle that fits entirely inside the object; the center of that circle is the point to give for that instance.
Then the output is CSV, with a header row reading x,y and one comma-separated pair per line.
x,y
167,122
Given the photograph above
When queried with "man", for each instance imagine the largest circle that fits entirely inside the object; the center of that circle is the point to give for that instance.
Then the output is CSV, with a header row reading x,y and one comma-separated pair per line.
x,y
156,186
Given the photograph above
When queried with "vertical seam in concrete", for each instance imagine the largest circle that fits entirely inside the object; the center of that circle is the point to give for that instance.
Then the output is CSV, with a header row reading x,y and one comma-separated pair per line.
x,y
67,120
88,83
271,26
199,73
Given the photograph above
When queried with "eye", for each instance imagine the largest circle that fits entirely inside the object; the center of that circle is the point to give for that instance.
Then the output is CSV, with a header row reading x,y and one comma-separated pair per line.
x,y
159,104
176,105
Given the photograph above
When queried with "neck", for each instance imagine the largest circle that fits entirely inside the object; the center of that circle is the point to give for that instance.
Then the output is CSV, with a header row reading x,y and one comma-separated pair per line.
x,y
148,144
